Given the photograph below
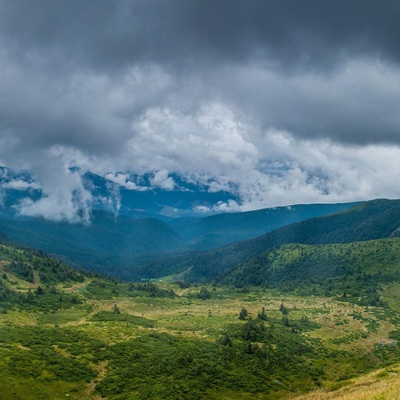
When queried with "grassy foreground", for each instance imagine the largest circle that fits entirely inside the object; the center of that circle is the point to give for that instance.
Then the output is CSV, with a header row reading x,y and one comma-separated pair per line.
x,y
380,385
67,335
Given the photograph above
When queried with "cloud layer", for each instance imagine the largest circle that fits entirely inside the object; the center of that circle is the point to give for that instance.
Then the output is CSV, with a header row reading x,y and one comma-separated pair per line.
x,y
281,102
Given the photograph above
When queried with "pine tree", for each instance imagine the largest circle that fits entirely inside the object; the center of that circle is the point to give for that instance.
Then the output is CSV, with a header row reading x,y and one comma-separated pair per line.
x,y
243,313
227,341
116,310
283,309
262,314
30,298
39,290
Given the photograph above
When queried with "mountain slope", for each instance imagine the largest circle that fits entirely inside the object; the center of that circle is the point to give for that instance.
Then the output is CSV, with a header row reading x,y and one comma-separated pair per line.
x,y
218,230
103,245
357,268
370,220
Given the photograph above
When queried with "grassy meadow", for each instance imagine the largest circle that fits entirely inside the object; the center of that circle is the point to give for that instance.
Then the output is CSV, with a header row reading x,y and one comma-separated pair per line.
x,y
102,339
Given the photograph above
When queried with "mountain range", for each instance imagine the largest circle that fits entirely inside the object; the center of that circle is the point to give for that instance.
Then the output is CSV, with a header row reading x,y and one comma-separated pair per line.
x,y
121,246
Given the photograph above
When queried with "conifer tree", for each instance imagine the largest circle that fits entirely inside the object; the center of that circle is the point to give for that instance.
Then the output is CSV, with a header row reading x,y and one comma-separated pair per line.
x,y
243,313
262,314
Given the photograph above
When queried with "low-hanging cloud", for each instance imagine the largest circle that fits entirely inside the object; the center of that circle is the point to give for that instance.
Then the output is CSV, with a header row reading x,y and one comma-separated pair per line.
x,y
64,197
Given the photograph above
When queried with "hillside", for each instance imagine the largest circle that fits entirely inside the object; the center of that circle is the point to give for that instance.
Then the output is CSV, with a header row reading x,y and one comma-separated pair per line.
x,y
66,334
368,221
218,230
356,269
119,246
104,245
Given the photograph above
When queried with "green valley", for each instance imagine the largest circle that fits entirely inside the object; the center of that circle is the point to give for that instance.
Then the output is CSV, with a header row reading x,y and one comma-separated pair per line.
x,y
67,334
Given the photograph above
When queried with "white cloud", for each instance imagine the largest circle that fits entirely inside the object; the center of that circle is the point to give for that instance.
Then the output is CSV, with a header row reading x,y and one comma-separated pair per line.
x,y
213,139
227,206
162,180
20,184
64,195
125,181
320,171
113,201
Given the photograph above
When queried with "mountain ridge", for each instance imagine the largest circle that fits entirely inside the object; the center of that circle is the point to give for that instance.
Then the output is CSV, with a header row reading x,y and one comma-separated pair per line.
x,y
119,245
366,221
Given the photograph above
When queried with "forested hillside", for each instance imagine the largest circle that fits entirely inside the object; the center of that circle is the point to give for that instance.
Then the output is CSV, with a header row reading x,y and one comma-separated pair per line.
x,y
104,245
355,269
371,220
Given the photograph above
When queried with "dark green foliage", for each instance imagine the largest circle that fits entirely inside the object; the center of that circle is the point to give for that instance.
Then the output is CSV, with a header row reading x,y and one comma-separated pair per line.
x,y
253,331
283,309
262,314
25,263
108,245
116,309
243,313
227,341
162,366
22,270
9,298
36,268
183,284
153,289
395,335
387,352
109,289
39,291
204,294
40,356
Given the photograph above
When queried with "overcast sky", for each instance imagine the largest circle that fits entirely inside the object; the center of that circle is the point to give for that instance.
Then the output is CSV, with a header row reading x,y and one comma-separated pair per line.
x,y
285,101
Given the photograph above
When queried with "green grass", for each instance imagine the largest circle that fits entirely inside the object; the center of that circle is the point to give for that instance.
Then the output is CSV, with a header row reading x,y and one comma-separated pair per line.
x,y
173,347
94,337
62,316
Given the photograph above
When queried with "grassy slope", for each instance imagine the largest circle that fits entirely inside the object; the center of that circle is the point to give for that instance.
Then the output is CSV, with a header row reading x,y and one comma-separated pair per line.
x,y
90,337
380,385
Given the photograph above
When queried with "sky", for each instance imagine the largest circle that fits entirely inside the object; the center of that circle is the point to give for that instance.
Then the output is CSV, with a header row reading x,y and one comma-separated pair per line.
x,y
281,102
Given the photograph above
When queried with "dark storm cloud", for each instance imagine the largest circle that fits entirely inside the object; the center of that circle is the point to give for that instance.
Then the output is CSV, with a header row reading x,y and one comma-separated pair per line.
x,y
197,39
309,33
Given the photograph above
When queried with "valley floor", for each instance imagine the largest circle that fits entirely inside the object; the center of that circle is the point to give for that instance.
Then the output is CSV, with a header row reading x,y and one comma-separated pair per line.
x,y
100,339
